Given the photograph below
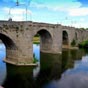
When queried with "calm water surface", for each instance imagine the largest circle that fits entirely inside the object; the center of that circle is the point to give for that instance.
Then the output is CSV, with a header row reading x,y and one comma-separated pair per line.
x,y
69,70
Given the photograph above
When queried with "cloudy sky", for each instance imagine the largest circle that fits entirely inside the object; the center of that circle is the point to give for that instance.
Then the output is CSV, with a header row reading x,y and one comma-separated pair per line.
x,y
66,12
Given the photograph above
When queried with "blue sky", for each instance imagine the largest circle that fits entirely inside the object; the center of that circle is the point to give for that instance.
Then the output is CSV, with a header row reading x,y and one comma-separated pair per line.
x,y
65,12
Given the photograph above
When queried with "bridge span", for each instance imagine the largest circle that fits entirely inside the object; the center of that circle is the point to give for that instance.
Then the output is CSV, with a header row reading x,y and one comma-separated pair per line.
x,y
18,39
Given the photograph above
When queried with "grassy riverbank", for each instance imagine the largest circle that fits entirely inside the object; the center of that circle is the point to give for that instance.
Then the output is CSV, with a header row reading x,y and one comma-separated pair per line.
x,y
36,40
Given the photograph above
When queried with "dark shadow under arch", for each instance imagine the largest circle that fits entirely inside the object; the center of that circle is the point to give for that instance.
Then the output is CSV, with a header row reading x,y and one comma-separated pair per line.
x,y
8,42
45,40
65,38
45,36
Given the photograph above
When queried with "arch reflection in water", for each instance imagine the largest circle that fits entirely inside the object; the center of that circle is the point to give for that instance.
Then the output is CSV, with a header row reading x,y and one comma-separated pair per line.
x,y
56,64
52,68
22,77
19,77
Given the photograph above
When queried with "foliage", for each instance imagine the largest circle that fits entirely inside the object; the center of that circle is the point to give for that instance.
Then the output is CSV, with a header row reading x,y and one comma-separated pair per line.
x,y
36,40
83,44
82,28
86,28
34,59
73,43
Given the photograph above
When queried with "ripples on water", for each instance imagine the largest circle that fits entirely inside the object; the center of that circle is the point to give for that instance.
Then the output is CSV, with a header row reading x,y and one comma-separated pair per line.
x,y
69,70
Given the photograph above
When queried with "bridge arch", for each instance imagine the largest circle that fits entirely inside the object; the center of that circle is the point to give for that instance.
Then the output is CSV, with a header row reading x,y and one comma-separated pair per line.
x,y
45,40
65,37
8,42
10,48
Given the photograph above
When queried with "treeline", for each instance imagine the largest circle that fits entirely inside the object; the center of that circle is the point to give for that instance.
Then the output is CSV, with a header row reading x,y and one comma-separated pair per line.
x,y
83,28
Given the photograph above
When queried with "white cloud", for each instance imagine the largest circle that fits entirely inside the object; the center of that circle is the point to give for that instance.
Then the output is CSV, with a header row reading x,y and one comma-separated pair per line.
x,y
16,11
18,18
78,12
17,14
56,6
37,5
70,7
80,25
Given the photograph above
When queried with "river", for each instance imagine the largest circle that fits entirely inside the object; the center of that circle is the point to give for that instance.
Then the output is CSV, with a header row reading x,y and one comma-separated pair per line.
x,y
69,70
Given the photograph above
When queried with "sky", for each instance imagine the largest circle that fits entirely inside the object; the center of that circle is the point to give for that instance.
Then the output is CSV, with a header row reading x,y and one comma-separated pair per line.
x,y
66,12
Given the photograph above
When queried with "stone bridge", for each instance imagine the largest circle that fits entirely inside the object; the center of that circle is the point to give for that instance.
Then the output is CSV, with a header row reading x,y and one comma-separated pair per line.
x,y
18,39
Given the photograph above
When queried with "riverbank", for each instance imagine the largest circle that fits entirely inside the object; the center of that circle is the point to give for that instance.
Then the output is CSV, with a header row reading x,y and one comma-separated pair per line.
x,y
67,47
36,40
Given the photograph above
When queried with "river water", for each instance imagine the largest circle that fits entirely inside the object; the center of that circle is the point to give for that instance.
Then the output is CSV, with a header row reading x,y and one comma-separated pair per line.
x,y
69,70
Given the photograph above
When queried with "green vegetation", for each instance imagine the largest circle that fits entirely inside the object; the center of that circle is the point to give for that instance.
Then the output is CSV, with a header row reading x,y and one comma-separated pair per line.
x,y
83,28
36,40
34,59
73,43
83,44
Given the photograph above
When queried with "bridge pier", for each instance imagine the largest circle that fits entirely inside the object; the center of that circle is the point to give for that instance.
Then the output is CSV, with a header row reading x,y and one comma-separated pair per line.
x,y
20,53
15,57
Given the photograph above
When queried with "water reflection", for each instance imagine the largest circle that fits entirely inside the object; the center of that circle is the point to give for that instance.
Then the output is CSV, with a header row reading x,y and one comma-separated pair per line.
x,y
69,70
76,77
19,77
36,51
22,77
50,69
2,64
69,56
66,62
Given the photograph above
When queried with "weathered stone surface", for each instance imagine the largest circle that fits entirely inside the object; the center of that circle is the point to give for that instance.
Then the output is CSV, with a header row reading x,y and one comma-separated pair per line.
x,y
18,39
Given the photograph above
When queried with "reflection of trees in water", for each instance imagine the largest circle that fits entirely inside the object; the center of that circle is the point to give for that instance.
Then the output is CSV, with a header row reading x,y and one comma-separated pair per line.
x,y
51,68
69,56
86,51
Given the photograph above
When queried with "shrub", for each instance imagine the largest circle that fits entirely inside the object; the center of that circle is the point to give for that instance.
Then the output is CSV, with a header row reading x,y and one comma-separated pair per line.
x,y
34,59
83,44
73,43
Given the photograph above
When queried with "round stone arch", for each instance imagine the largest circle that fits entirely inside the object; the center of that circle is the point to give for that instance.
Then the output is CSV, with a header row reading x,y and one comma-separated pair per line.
x,y
43,28
10,48
8,42
65,37
45,39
